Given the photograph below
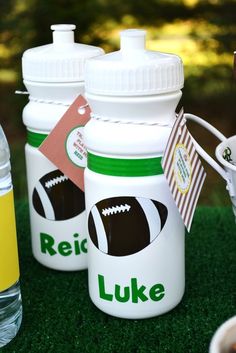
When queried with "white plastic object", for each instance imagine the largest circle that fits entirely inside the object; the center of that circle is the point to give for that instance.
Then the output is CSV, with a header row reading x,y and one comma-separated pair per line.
x,y
5,166
224,337
229,144
224,172
128,126
61,61
53,75
63,34
133,70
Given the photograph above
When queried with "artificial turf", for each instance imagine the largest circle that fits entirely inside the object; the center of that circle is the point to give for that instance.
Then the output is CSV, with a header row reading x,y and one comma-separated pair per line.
x,y
60,318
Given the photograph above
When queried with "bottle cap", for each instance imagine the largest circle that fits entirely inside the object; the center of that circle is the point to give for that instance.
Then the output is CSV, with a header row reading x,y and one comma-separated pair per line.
x,y
61,61
133,70
4,155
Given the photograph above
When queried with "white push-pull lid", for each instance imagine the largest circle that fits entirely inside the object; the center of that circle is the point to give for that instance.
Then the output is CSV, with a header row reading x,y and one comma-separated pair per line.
x,y
63,34
133,70
132,39
61,61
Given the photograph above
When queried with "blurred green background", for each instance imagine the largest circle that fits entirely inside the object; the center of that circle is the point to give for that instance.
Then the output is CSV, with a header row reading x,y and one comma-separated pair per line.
x,y
202,32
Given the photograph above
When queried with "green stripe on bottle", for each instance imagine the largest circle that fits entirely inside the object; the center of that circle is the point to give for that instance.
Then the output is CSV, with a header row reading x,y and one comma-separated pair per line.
x,y
34,139
125,167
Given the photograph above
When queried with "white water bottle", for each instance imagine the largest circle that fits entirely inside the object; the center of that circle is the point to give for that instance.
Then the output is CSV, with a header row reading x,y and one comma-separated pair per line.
x,y
54,76
10,294
136,260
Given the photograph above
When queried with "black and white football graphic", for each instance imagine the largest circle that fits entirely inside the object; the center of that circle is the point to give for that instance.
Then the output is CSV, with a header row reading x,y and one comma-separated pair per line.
x,y
56,198
121,226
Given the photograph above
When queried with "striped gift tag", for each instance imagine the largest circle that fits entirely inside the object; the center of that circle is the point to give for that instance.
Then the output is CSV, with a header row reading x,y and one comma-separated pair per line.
x,y
183,169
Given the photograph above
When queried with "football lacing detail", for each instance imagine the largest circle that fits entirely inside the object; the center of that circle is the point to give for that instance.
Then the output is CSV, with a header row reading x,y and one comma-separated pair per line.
x,y
115,209
56,181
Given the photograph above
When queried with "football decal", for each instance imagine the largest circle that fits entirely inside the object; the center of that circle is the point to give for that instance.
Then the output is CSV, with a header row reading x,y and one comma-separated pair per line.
x,y
121,226
56,198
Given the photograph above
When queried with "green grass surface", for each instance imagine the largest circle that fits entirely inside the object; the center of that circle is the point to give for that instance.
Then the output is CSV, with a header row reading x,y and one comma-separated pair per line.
x,y
59,316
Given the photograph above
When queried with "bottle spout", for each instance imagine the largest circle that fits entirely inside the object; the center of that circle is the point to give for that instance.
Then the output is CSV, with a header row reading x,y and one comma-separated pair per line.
x,y
132,40
63,34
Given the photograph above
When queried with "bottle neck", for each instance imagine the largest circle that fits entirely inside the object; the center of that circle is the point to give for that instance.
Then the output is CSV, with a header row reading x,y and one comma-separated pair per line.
x,y
64,93
144,109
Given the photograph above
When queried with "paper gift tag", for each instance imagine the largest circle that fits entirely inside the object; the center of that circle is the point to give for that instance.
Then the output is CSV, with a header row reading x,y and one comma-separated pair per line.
x,y
64,146
183,169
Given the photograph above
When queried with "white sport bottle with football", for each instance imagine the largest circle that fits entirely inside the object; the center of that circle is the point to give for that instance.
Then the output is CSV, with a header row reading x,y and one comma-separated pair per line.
x,y
54,76
136,258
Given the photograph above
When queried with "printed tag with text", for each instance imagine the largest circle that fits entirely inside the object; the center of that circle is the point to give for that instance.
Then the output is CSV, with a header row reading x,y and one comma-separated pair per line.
x,y
183,169
64,146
